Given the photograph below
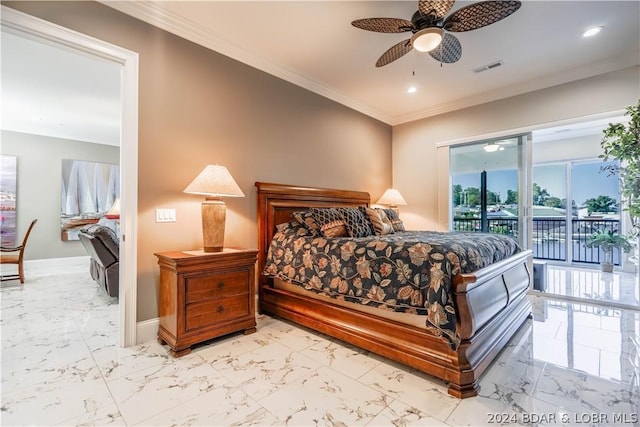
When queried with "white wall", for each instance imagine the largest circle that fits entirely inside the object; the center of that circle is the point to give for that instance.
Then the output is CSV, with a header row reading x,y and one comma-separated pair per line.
x,y
579,148
422,177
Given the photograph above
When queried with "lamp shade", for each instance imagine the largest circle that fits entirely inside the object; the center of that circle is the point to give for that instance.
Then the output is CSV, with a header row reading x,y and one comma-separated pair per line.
x,y
215,181
391,197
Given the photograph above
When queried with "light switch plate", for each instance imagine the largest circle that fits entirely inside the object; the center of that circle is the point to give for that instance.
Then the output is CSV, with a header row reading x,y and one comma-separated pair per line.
x,y
165,215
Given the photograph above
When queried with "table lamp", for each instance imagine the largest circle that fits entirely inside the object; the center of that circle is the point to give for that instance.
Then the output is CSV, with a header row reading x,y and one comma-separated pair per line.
x,y
392,198
215,182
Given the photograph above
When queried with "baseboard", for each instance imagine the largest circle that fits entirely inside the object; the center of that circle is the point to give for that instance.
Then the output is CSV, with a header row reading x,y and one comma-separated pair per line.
x,y
147,330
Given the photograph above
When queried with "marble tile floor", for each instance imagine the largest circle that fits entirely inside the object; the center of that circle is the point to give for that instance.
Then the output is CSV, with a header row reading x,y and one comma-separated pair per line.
x,y
571,364
620,289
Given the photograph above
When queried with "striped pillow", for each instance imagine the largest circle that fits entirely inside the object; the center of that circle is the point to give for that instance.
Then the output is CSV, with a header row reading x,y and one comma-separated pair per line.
x,y
396,222
381,223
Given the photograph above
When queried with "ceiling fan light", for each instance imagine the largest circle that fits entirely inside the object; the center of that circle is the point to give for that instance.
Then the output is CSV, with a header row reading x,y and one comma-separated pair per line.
x,y
427,39
491,147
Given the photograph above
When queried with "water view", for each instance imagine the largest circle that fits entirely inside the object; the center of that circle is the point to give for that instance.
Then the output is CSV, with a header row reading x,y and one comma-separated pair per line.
x,y
560,228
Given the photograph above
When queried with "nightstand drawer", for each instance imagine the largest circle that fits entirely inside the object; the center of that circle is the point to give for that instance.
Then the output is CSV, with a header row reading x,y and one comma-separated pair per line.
x,y
219,285
212,312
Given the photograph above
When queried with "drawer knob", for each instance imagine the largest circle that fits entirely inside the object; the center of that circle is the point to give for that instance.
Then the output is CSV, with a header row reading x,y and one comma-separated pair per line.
x,y
220,309
220,284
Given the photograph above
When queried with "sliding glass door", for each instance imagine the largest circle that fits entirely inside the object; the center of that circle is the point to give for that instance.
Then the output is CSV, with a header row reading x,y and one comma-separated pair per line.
x,y
488,191
571,201
550,216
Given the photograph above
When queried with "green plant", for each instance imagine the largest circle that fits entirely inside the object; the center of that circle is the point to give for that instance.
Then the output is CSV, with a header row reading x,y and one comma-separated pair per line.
x,y
608,240
622,142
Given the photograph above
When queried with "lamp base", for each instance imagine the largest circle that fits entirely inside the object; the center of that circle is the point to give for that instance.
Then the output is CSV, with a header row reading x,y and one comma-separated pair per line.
x,y
213,222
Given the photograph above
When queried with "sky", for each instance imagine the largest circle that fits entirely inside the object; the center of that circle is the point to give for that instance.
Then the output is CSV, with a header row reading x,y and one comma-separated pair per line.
x,y
587,180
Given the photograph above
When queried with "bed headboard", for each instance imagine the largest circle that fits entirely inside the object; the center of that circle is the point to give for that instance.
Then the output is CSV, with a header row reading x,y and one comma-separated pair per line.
x,y
276,202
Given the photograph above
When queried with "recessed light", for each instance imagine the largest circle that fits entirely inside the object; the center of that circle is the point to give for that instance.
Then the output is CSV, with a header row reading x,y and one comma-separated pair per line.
x,y
591,31
412,89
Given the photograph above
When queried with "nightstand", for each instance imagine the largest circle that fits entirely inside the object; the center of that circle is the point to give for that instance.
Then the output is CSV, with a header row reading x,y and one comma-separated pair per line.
x,y
204,295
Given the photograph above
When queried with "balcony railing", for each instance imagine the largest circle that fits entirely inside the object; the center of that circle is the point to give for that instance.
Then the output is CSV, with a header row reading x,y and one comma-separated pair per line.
x,y
507,226
550,236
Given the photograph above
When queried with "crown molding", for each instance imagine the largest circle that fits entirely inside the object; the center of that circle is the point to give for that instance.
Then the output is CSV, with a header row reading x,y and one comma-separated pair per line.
x,y
630,59
155,15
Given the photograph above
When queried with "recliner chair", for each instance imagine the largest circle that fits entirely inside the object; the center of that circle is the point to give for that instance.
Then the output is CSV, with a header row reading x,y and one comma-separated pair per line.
x,y
103,246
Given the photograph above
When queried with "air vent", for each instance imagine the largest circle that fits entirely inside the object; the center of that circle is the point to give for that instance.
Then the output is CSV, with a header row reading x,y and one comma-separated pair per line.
x,y
488,67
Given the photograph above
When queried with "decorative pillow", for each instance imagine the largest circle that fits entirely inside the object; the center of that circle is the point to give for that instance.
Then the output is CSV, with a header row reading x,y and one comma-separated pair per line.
x,y
396,222
307,220
380,222
293,227
358,224
330,222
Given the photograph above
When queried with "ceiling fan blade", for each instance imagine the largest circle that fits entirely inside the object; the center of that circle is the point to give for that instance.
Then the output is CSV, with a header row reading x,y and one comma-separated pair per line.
x,y
480,14
396,51
434,10
448,51
383,25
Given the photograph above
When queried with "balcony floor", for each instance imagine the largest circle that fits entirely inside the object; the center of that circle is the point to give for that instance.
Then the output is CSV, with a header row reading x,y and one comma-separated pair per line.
x,y
589,284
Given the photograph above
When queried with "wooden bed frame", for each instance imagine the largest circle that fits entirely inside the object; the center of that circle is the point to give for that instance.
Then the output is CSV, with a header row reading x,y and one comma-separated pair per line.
x,y
491,303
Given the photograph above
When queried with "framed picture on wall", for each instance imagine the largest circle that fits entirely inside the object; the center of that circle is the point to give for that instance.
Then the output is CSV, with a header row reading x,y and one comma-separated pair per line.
x,y
8,195
89,190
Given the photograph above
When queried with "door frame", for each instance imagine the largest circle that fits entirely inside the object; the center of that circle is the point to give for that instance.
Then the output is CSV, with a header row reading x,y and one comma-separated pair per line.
x,y
41,29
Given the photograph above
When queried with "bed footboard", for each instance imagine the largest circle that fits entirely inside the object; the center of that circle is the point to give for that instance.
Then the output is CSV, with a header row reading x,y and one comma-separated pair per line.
x,y
491,306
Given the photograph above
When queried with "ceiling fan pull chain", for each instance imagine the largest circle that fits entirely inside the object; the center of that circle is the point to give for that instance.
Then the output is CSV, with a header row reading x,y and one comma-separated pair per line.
x,y
413,63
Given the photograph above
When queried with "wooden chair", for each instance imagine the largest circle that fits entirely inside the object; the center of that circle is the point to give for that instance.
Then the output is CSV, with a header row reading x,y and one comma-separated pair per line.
x,y
17,257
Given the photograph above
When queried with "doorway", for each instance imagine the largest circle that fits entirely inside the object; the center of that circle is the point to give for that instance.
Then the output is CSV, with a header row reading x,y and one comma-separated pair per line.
x,y
36,28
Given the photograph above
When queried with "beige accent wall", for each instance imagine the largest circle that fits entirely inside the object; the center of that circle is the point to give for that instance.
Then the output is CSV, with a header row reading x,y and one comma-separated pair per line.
x,y
39,186
422,174
197,107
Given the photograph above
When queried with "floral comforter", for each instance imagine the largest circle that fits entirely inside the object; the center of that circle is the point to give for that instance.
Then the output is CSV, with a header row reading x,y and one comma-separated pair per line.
x,y
409,271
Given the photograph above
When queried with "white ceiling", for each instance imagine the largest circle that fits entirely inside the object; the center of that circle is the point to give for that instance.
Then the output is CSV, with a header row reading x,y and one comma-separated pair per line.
x,y
51,90
312,44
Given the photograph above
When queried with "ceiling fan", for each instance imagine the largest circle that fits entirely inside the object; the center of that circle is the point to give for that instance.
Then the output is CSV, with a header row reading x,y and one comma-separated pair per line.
x,y
430,27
